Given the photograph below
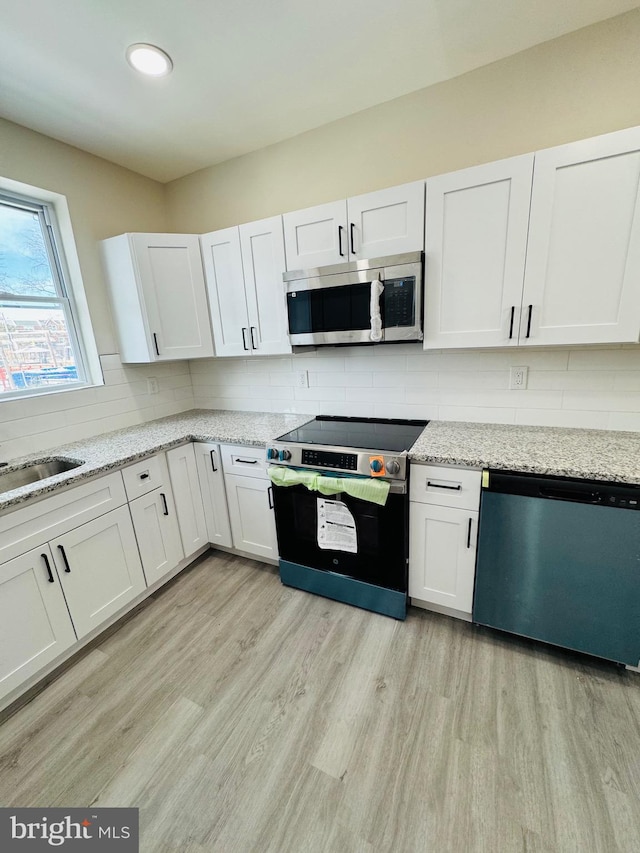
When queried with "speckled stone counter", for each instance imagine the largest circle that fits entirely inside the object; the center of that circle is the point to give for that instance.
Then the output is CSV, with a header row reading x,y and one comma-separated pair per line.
x,y
584,453
104,453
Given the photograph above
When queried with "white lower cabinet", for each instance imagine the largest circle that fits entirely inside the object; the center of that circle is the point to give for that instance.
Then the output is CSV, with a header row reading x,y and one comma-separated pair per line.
x,y
443,525
99,568
214,495
442,556
35,627
185,485
156,525
251,514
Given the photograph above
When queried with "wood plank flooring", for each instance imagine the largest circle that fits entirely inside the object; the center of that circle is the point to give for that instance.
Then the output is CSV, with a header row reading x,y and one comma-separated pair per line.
x,y
240,715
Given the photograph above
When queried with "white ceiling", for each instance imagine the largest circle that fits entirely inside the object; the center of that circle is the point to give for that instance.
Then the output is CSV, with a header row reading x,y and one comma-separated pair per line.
x,y
246,73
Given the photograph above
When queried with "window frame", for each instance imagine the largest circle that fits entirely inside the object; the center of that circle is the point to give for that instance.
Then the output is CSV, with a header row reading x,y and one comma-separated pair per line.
x,y
55,221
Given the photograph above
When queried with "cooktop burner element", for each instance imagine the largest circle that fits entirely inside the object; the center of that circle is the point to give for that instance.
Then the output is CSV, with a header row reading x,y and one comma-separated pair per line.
x,y
375,447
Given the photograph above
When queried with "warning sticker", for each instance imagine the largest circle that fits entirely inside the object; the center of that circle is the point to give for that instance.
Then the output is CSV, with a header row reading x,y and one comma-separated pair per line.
x,y
336,527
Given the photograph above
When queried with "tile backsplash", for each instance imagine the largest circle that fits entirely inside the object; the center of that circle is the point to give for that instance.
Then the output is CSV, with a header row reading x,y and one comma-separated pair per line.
x,y
34,424
593,387
590,387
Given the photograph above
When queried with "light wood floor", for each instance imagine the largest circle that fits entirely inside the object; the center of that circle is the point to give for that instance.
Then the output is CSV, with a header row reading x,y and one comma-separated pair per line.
x,y
240,715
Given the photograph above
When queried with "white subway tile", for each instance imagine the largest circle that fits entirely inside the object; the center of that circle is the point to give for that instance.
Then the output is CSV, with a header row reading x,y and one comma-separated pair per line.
x,y
628,421
570,380
384,362
595,358
478,414
419,411
490,379
347,410
376,395
608,401
324,394
348,379
562,418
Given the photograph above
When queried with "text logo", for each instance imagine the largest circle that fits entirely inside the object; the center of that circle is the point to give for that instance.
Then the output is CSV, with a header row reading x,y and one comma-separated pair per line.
x,y
36,830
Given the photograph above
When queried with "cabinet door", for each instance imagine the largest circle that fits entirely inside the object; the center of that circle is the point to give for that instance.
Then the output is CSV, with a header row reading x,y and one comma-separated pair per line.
x,y
172,281
156,529
222,260
185,486
475,244
251,514
34,622
316,236
583,254
386,222
442,555
262,245
214,496
99,567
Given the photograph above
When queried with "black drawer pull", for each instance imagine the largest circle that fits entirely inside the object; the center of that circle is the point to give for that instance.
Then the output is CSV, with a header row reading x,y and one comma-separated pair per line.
x,y
144,476
48,567
247,461
67,567
213,464
440,486
164,503
469,533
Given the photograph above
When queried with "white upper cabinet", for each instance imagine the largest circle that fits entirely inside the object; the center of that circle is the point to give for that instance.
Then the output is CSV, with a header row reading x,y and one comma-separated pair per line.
x,y
316,236
262,247
582,281
475,246
385,222
243,268
158,296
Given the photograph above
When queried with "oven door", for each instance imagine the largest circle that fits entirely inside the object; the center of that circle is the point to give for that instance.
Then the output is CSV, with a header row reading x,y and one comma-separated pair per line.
x,y
374,556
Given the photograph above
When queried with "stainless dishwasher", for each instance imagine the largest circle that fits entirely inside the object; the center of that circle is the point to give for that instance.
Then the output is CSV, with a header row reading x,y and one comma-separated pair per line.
x,y
559,561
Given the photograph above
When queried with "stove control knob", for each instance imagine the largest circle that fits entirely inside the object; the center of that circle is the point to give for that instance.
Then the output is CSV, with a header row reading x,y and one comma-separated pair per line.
x,y
272,453
284,455
376,466
393,466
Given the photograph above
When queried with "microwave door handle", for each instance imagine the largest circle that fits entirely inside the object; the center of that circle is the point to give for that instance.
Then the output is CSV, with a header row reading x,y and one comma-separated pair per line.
x,y
377,287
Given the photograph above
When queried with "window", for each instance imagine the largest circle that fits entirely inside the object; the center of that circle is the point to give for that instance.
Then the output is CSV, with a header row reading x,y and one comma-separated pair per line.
x,y
41,345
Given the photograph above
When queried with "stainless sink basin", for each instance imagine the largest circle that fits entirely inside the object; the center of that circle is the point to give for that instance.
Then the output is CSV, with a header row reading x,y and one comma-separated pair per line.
x,y
17,477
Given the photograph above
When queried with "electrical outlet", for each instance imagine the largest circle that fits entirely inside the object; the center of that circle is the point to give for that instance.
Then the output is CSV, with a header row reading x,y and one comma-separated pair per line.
x,y
152,385
302,378
518,378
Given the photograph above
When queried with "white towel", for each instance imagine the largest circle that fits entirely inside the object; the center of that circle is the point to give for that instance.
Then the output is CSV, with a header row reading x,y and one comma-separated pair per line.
x,y
376,320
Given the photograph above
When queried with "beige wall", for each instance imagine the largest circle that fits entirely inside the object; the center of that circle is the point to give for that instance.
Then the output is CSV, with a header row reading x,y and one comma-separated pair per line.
x,y
104,200
570,88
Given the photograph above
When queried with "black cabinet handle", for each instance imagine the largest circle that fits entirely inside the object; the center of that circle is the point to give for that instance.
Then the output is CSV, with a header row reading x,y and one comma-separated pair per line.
x,y
469,533
529,321
247,461
155,343
440,486
244,338
164,503
353,248
513,311
213,464
48,567
144,476
270,496
340,230
67,567
253,343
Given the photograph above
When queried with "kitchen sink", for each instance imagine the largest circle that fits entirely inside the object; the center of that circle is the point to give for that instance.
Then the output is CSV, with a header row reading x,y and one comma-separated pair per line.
x,y
34,472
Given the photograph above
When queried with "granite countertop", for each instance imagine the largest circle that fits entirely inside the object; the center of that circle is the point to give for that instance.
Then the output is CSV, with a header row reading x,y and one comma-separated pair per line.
x,y
584,453
103,453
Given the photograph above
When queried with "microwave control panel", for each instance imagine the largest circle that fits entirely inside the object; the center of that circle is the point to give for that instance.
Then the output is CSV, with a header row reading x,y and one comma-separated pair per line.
x,y
399,305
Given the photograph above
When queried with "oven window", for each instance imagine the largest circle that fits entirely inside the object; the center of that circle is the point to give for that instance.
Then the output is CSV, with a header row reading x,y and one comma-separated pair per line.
x,y
381,533
330,309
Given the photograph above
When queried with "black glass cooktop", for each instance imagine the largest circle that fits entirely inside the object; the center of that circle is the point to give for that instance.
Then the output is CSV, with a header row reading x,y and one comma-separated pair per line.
x,y
367,433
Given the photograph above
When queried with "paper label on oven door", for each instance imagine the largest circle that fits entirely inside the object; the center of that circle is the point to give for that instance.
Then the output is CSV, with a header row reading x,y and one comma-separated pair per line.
x,y
336,527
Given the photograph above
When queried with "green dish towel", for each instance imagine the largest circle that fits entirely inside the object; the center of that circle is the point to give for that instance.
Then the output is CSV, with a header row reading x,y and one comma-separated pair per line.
x,y
364,488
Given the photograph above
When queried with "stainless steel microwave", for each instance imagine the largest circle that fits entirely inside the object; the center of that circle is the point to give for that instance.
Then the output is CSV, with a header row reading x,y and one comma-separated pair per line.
x,y
363,302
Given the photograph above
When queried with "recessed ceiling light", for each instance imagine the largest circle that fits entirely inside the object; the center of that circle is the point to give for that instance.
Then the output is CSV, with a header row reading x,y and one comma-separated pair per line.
x,y
148,59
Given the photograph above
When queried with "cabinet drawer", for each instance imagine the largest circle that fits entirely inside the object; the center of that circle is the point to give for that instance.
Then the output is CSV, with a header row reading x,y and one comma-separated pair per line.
x,y
245,461
143,477
35,523
445,486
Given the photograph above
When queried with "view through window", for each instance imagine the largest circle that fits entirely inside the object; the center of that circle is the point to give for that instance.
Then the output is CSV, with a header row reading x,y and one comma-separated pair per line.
x,y
39,348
